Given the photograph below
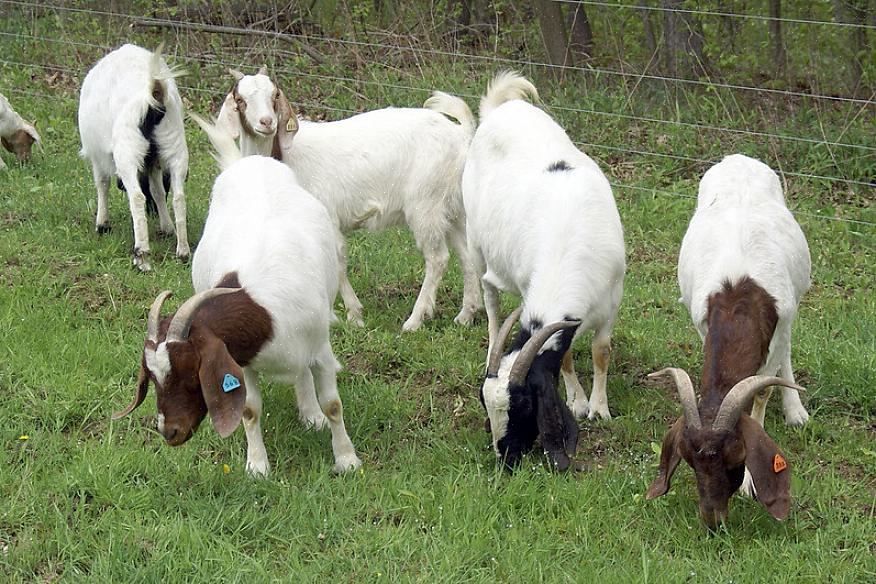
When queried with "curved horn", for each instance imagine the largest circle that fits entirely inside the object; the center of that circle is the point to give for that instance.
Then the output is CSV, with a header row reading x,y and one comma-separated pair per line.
x,y
155,315
263,70
179,327
533,345
499,346
738,397
686,394
236,74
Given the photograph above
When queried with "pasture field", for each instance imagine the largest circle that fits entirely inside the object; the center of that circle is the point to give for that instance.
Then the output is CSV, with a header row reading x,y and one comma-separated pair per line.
x,y
86,499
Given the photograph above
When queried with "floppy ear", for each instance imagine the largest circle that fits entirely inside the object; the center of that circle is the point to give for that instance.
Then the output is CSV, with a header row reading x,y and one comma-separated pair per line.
x,y
31,131
229,117
222,385
139,393
556,424
287,126
670,456
768,466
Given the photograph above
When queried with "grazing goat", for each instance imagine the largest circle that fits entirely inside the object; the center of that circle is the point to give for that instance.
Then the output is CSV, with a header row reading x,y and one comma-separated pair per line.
x,y
265,272
375,170
16,135
743,267
543,225
131,125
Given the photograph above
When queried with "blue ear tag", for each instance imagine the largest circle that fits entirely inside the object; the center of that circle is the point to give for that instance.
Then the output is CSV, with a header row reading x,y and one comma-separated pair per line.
x,y
230,383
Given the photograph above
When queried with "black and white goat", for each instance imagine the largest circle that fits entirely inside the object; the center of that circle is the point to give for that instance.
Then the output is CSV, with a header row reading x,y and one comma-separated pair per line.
x,y
265,272
16,135
543,225
743,268
374,170
131,125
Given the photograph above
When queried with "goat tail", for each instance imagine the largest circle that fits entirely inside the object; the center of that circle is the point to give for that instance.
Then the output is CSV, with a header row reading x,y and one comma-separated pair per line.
x,y
227,152
452,106
505,86
159,74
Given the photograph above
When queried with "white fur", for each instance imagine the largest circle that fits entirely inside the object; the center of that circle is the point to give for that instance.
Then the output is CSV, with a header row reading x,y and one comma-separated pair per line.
x,y
743,227
11,122
379,169
158,362
116,95
281,242
553,238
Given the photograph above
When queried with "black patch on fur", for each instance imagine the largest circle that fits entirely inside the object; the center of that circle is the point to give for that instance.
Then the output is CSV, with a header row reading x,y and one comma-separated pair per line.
x,y
147,126
558,166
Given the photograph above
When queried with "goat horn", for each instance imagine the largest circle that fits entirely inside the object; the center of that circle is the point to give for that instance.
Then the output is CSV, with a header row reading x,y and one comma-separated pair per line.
x,y
236,74
499,346
179,327
531,348
686,394
155,315
263,70
739,396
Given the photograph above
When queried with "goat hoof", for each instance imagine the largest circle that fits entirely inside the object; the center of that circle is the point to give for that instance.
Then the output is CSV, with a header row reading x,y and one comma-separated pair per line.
x,y
257,468
346,463
183,257
465,317
316,421
580,411
599,412
141,260
356,321
796,419
411,325
103,229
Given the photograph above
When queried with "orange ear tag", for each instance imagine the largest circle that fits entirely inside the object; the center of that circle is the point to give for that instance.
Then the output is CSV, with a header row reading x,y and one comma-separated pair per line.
x,y
779,464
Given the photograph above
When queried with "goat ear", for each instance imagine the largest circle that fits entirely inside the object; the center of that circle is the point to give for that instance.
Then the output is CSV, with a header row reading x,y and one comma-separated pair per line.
x,y
139,393
222,385
229,118
670,456
768,467
287,126
556,424
30,130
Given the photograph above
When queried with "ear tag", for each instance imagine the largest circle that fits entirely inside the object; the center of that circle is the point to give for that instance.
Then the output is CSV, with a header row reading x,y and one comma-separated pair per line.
x,y
291,125
779,464
230,383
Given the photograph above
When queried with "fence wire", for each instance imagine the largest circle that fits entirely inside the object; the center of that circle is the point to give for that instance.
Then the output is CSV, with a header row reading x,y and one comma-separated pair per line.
x,y
836,147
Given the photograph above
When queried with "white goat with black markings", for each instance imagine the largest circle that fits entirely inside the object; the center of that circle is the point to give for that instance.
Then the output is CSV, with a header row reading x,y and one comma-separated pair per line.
x,y
542,225
374,170
16,135
743,268
131,125
265,275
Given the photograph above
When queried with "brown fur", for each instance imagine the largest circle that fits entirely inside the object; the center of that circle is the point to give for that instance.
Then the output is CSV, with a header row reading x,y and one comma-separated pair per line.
x,y
19,143
742,320
226,335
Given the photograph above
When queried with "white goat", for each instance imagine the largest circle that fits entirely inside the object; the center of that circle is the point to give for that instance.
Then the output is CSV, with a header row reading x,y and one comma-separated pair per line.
x,y
375,170
16,135
543,225
131,125
265,273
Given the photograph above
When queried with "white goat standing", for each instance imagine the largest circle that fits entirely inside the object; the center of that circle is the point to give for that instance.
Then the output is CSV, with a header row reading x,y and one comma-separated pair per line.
x,y
265,273
131,125
16,135
543,225
375,170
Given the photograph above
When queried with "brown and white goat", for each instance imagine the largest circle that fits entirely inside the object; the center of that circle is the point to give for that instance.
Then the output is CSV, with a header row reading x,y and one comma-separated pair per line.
x,y
743,268
16,135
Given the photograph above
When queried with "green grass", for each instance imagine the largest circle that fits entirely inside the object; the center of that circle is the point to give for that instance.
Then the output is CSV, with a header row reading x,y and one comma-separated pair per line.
x,y
86,499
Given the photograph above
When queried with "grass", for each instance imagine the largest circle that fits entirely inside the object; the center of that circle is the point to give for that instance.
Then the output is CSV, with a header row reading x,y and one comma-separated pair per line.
x,y
87,499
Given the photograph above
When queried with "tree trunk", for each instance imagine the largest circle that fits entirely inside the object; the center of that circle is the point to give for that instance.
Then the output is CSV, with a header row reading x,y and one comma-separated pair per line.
x,y
683,42
580,31
553,31
648,25
780,57
855,12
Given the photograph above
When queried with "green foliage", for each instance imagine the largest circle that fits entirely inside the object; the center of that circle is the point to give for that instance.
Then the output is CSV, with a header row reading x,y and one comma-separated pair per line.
x,y
86,499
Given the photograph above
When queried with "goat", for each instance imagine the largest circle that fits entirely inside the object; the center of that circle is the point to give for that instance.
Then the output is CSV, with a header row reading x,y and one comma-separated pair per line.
x,y
375,170
131,125
542,225
743,267
16,135
265,272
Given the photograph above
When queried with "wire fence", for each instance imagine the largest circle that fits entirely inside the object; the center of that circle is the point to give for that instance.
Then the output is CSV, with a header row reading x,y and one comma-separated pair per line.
x,y
846,163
